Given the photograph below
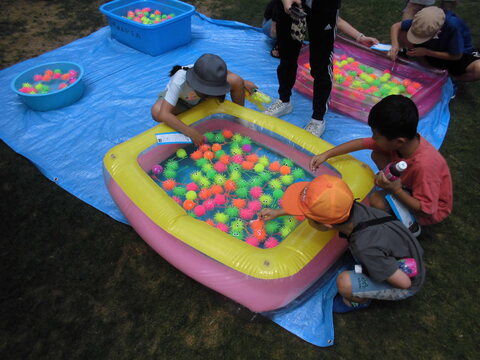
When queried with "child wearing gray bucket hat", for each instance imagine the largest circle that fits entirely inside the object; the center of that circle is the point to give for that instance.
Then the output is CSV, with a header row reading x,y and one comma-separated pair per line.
x,y
189,85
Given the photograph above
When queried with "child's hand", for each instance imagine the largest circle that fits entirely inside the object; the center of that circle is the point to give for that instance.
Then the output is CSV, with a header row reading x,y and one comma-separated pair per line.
x,y
316,161
390,186
197,138
247,84
267,214
417,52
393,53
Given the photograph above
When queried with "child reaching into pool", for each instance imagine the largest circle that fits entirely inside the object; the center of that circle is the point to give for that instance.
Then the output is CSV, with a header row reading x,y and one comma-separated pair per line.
x,y
189,85
425,187
376,240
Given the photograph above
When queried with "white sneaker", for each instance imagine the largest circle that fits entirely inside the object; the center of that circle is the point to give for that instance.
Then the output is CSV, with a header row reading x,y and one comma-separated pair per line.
x,y
279,108
316,127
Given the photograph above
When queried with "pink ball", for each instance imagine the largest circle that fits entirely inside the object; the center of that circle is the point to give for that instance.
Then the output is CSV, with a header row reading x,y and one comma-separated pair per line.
x,y
157,169
252,241
220,167
256,192
57,75
37,77
62,86
192,187
247,147
177,200
222,227
254,205
411,90
209,204
200,210
220,199
246,214
271,242
237,159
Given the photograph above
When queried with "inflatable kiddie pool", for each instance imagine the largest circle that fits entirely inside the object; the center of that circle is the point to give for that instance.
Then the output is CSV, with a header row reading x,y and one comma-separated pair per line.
x,y
261,279
362,77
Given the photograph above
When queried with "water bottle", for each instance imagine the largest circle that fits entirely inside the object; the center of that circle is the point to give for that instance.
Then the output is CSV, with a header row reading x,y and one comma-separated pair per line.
x,y
408,266
393,170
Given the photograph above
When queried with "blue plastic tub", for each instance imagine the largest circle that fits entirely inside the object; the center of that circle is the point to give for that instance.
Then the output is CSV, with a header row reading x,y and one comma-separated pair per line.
x,y
150,39
54,99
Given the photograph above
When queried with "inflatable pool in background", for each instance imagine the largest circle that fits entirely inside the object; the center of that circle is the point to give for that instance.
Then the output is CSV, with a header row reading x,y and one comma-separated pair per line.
x,y
261,279
362,77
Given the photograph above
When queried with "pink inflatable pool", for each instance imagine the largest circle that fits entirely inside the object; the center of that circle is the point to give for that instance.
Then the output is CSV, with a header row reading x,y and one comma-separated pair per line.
x,y
362,77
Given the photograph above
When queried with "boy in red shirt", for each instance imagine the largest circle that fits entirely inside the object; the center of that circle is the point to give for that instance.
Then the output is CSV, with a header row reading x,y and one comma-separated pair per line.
x,y
425,187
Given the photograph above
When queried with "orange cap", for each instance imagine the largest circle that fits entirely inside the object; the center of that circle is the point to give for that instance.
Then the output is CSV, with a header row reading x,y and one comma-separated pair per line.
x,y
326,199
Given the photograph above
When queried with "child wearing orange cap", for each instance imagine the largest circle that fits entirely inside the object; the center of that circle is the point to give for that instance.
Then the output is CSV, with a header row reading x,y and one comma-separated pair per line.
x,y
376,240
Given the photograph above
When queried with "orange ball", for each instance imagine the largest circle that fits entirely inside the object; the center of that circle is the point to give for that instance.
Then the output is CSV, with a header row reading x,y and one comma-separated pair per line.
x,y
257,224
210,222
216,189
188,204
274,166
169,184
204,193
248,165
230,185
252,158
65,76
208,155
417,85
239,203
204,147
285,170
196,155
216,147
260,234
224,159
227,133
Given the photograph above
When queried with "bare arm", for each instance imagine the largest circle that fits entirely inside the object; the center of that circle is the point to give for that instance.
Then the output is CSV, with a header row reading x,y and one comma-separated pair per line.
x,y
345,148
420,51
270,214
349,30
395,188
394,32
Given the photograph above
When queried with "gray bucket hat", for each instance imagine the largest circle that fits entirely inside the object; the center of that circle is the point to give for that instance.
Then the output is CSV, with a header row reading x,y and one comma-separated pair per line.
x,y
209,75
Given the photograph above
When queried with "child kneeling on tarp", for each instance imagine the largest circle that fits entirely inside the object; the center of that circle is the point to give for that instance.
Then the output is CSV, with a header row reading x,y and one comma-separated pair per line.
x,y
376,240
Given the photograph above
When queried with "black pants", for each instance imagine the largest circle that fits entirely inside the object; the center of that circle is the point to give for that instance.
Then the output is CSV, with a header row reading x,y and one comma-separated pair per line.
x,y
321,25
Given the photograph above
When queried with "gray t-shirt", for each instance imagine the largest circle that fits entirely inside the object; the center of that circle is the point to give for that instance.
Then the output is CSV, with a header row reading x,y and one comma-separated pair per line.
x,y
378,247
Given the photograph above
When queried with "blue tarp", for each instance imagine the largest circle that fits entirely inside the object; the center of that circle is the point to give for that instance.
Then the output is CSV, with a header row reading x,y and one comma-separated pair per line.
x,y
68,144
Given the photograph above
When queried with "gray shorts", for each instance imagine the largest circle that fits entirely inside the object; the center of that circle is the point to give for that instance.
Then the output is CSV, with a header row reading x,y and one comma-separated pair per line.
x,y
365,288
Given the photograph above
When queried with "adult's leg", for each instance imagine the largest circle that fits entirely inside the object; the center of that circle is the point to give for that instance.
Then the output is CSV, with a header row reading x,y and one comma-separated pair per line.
x,y
321,24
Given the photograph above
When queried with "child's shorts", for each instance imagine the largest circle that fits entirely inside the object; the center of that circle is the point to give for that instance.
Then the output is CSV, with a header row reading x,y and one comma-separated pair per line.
x,y
366,288
456,67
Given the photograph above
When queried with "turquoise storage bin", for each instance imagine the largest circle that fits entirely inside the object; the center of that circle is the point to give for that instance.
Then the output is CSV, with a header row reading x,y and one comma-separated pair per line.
x,y
55,98
150,39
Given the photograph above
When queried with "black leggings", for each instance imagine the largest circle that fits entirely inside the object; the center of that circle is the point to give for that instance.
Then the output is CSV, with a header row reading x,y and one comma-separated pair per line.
x,y
321,25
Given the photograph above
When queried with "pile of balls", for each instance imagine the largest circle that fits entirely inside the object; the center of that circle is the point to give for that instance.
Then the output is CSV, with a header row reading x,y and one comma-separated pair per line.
x,y
366,81
49,81
147,16
229,183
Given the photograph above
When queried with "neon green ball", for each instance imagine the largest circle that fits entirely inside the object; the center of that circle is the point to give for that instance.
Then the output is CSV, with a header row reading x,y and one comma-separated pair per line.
x,y
181,153
259,168
191,195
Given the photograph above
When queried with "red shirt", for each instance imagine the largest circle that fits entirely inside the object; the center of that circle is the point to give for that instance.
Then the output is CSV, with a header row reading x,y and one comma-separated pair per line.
x,y
427,177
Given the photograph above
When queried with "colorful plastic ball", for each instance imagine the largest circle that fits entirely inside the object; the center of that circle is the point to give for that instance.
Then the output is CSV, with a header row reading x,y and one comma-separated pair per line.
x,y
235,150
169,184
275,184
216,189
266,199
232,211
230,185
188,204
62,86
237,225
209,136
242,192
191,195
196,155
220,167
238,159
157,169
235,175
254,205
252,158
37,77
200,210
256,181
237,137
411,90
265,176
246,214
211,174
209,204
219,179
264,161
204,182
272,227
181,153
219,154
247,147
170,173
285,230
204,147
222,227
260,234
257,224
221,217
242,183
256,192
271,242
285,170
251,240
219,138
259,168
204,193
216,147
274,166
196,175
290,221
220,199
237,234
227,133
179,191
208,155
277,194
207,166
298,173
224,159
239,203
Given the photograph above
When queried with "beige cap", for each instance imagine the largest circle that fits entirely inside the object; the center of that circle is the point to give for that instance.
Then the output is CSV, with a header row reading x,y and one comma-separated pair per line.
x,y
426,23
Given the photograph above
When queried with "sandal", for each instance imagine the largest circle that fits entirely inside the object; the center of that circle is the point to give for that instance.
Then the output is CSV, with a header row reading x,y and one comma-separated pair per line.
x,y
274,52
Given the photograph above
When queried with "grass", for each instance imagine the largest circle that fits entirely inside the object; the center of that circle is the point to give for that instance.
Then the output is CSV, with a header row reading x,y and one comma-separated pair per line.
x,y
77,284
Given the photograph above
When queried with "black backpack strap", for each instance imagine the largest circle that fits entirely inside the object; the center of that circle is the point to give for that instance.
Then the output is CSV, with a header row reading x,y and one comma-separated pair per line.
x,y
364,224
